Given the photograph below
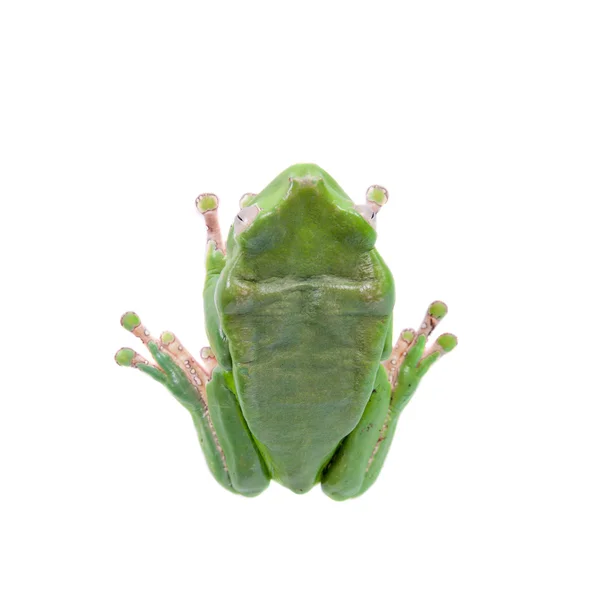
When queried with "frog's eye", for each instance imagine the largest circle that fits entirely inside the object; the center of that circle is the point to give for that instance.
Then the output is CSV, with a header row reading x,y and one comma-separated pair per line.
x,y
368,214
245,218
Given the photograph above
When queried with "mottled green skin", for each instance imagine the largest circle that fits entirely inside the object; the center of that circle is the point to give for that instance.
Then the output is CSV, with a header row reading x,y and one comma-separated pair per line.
x,y
305,302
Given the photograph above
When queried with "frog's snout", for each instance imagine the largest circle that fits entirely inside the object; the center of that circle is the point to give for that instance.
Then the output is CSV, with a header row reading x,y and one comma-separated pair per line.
x,y
306,187
306,182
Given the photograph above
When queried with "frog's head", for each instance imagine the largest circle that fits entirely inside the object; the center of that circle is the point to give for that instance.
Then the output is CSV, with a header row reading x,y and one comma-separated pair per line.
x,y
304,217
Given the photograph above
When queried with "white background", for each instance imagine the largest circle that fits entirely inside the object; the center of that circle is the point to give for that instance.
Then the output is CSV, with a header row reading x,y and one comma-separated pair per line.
x,y
482,120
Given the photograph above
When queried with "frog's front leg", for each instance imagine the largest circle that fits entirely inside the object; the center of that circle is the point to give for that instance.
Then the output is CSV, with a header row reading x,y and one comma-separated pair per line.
x,y
208,393
358,461
208,205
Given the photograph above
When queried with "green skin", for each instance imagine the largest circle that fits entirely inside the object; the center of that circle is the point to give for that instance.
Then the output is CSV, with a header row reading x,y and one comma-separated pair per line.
x,y
301,383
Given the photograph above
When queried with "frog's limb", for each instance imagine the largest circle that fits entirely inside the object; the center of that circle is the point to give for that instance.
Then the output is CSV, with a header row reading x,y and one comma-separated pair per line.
x,y
213,409
389,341
208,205
344,476
357,463
435,313
412,369
247,471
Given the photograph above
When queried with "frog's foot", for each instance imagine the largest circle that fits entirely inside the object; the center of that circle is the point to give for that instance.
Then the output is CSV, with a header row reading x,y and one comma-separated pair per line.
x,y
204,390
185,378
409,352
208,205
405,368
175,367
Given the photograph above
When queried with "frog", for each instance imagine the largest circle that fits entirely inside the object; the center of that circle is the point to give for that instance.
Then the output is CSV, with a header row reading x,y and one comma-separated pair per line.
x,y
301,382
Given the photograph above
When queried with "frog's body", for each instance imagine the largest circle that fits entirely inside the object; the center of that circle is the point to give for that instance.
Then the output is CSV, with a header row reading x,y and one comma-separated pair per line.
x,y
299,316
318,303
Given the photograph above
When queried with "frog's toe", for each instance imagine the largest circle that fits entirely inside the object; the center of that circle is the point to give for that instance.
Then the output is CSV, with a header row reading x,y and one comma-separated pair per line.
x,y
435,313
208,358
195,370
130,321
206,202
438,310
376,196
133,323
444,344
126,357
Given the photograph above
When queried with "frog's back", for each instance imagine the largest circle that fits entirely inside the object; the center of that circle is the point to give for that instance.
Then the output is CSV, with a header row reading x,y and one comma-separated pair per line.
x,y
306,331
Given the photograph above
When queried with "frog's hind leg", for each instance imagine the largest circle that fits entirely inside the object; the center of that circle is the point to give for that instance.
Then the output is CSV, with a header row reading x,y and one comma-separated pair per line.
x,y
200,387
344,476
358,461
247,470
